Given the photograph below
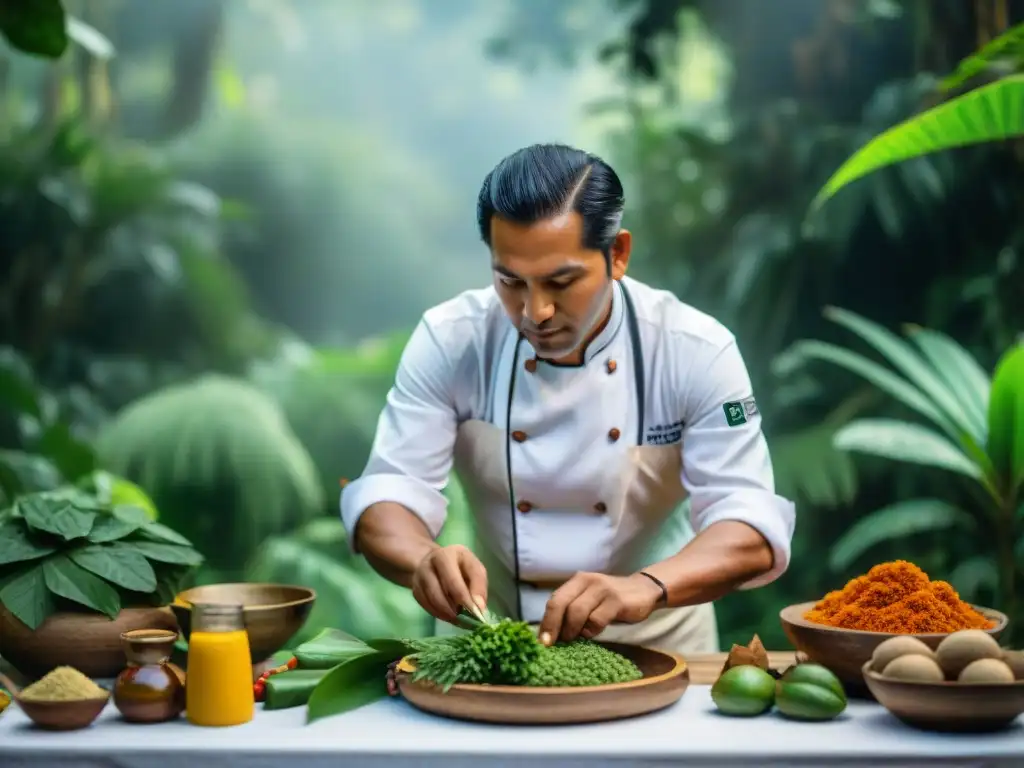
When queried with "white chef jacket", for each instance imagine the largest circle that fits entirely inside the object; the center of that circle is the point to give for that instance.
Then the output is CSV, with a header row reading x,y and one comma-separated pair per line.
x,y
457,366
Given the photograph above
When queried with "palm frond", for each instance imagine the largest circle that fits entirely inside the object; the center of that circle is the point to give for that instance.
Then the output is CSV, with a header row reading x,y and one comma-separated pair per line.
x,y
220,463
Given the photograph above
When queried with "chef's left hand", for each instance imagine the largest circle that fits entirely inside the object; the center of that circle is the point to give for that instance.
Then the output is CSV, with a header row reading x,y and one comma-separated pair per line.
x,y
589,602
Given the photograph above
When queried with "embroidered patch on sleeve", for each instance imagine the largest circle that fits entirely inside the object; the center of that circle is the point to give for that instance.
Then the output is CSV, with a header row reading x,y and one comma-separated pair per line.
x,y
738,411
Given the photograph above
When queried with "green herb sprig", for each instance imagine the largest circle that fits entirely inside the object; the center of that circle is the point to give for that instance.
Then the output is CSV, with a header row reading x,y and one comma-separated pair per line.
x,y
70,546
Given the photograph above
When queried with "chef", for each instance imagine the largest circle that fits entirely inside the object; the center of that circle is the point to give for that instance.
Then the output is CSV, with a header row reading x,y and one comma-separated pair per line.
x,y
579,409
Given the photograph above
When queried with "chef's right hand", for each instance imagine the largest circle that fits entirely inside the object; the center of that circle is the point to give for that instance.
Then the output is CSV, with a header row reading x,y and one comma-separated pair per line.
x,y
449,579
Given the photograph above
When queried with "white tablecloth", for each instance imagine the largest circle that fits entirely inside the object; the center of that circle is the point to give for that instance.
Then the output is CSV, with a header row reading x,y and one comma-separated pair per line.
x,y
392,733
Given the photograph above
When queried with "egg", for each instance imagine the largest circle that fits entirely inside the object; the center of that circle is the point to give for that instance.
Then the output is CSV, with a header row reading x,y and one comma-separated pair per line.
x,y
961,648
895,647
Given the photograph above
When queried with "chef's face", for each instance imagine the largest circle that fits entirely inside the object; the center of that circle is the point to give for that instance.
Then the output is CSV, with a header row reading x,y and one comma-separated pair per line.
x,y
555,291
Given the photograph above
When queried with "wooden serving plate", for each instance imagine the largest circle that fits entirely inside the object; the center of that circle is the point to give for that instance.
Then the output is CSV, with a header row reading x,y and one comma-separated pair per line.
x,y
666,678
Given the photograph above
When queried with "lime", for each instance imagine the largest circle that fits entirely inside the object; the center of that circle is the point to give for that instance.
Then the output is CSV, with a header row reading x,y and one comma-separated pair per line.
x,y
815,674
744,691
808,701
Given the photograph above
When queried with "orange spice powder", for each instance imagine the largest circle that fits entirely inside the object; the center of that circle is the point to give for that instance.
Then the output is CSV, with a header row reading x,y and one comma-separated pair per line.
x,y
897,597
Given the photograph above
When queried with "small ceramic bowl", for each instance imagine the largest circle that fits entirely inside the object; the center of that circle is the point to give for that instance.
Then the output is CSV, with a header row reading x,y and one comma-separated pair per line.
x,y
58,715
844,651
63,715
950,707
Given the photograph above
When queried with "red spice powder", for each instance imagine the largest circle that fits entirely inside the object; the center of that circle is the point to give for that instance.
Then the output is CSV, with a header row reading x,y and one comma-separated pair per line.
x,y
897,597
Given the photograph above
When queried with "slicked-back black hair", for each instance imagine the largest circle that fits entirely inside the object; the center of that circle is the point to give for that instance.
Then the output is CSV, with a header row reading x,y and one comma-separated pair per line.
x,y
545,180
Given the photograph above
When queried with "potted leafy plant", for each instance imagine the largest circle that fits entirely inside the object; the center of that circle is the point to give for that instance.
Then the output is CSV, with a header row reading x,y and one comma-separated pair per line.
x,y
75,572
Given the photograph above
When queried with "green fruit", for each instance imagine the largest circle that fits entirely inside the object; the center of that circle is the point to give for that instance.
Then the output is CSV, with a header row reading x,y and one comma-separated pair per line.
x,y
744,691
815,674
808,701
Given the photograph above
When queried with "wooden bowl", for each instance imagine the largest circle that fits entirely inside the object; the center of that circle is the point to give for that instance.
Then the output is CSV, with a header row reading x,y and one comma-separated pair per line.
x,y
63,715
845,651
948,706
665,679
89,642
273,612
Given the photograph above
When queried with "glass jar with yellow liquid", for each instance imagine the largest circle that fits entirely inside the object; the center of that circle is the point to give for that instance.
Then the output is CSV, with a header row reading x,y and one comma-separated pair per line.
x,y
218,686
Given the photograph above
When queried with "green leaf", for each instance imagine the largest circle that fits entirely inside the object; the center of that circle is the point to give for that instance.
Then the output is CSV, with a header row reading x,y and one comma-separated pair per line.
x,y
167,553
881,377
119,564
27,597
394,648
1006,420
90,38
896,521
37,27
292,688
111,528
904,441
130,513
56,515
962,373
993,112
905,358
349,686
72,582
330,648
18,545
160,532
1007,46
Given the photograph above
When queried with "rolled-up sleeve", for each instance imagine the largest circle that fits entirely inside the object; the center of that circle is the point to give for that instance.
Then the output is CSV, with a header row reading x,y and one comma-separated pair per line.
x,y
727,469
411,457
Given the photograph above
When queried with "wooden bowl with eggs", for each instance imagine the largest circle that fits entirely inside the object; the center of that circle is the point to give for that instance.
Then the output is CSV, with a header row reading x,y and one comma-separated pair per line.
x,y
967,684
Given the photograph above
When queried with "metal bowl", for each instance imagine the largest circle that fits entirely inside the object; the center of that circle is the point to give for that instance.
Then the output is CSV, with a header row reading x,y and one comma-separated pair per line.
x,y
273,612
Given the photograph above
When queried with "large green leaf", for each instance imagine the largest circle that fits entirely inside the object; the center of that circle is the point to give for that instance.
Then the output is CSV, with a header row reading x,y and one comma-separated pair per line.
x,y
962,373
118,563
330,648
57,515
881,377
907,360
1007,47
905,441
18,545
35,26
166,553
993,112
26,596
349,686
896,521
1006,419
72,582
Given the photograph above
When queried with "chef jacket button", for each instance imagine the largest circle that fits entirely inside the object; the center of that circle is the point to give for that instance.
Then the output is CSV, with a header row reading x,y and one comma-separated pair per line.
x,y
600,507
518,436
524,506
613,434
531,365
611,366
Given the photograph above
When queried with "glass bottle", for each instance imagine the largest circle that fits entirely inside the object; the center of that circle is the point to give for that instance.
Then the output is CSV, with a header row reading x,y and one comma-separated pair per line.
x,y
150,689
219,689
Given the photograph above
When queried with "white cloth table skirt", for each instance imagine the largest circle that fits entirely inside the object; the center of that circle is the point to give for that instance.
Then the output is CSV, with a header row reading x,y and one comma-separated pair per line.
x,y
392,733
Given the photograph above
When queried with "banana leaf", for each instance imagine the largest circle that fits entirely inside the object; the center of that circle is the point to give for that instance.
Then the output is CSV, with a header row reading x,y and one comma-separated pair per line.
x,y
1006,420
992,112
292,688
349,686
329,649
